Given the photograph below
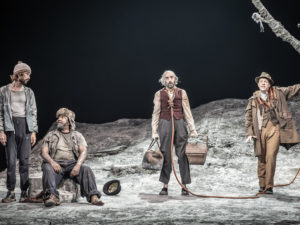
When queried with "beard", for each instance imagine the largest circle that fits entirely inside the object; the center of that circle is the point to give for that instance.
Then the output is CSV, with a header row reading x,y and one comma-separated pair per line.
x,y
170,85
23,82
61,126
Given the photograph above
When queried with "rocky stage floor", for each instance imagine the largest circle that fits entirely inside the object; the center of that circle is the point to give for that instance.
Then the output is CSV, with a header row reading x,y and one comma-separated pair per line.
x,y
116,151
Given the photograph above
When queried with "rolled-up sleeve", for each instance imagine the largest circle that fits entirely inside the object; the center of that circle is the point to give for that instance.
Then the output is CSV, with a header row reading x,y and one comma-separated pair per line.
x,y
187,112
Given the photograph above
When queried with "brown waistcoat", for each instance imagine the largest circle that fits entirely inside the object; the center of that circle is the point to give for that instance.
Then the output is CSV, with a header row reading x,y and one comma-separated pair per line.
x,y
165,112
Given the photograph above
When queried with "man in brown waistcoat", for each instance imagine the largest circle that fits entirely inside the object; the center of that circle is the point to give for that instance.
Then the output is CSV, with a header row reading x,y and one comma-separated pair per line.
x,y
269,123
164,99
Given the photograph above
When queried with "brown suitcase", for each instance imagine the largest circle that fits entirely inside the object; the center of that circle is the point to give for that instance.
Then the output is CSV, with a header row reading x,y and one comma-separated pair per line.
x,y
196,152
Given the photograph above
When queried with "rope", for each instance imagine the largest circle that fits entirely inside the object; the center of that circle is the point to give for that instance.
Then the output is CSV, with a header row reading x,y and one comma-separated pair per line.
x,y
258,19
216,196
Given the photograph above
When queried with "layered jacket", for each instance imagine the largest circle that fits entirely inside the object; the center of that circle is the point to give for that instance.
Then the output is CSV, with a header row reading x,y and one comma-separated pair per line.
x,y
6,123
52,138
288,132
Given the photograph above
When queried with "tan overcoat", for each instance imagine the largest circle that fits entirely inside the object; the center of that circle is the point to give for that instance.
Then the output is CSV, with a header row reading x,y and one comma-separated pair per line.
x,y
288,132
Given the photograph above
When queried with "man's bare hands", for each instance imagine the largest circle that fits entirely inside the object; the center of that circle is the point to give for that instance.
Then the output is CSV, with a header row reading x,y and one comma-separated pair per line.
x,y
155,136
75,171
56,167
3,138
33,138
250,138
194,134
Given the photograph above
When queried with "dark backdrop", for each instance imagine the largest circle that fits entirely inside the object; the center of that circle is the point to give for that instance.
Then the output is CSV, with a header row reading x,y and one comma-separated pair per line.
x,y
103,59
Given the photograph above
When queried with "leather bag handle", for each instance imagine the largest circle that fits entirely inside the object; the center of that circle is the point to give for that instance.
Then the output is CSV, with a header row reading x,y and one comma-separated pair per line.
x,y
153,143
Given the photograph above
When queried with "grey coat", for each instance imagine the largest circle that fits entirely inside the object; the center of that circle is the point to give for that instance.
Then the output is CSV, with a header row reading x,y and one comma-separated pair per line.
x,y
6,123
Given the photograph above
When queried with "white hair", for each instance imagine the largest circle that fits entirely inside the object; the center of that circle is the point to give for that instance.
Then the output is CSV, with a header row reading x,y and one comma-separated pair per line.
x,y
162,79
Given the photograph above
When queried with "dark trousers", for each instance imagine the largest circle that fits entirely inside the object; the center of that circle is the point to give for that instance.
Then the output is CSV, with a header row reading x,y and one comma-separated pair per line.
x,y
86,179
180,141
18,146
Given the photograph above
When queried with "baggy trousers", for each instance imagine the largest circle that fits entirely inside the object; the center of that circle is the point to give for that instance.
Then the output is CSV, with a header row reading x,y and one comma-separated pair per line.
x,y
18,146
86,178
270,140
180,141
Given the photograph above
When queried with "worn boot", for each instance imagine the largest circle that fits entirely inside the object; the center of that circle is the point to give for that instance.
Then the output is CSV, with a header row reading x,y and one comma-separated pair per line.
x,y
96,201
269,191
164,191
52,201
184,192
23,197
261,189
10,197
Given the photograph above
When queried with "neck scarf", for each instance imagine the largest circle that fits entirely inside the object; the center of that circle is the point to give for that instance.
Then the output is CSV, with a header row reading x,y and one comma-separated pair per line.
x,y
269,102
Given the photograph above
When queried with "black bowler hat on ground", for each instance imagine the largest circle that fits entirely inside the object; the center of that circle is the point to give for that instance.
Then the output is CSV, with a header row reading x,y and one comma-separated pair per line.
x,y
112,187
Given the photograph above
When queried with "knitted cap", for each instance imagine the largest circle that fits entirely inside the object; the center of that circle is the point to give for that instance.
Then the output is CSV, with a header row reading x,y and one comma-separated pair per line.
x,y
21,67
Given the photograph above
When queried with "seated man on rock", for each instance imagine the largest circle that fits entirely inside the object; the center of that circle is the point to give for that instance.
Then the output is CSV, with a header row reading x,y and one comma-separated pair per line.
x,y
64,150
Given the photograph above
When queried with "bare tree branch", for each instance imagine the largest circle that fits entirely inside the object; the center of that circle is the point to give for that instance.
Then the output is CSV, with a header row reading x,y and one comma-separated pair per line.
x,y
263,15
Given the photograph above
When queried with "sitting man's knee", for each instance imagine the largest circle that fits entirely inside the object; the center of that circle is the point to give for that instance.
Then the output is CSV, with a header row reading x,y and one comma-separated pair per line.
x,y
47,167
86,169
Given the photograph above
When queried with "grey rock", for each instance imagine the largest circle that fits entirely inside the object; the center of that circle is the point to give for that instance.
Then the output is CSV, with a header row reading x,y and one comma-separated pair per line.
x,y
68,190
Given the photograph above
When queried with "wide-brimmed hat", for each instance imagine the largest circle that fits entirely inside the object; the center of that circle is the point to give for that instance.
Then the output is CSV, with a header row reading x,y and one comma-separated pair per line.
x,y
266,76
112,187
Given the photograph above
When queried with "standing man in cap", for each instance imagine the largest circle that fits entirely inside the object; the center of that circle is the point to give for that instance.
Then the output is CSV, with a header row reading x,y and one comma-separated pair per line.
x,y
164,99
18,128
269,123
64,150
